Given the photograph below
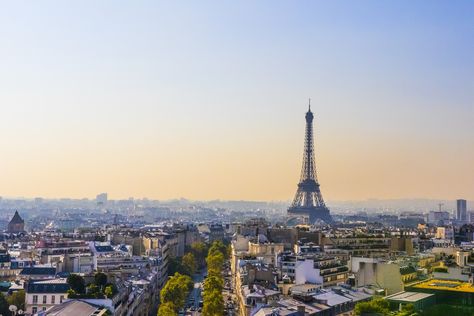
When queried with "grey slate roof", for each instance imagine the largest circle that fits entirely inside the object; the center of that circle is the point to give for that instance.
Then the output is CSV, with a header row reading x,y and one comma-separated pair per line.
x,y
48,286
17,219
73,307
104,248
38,271
4,257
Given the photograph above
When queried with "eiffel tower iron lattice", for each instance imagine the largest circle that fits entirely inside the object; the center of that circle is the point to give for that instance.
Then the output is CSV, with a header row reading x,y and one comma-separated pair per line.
x,y
308,199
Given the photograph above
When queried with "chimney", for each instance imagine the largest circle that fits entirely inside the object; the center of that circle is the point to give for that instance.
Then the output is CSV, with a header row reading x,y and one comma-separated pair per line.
x,y
301,309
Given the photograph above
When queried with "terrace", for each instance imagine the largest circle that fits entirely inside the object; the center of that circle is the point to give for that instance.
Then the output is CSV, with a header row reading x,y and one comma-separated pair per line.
x,y
446,285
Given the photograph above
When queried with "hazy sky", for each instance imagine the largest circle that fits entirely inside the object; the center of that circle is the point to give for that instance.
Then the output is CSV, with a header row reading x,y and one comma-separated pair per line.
x,y
206,100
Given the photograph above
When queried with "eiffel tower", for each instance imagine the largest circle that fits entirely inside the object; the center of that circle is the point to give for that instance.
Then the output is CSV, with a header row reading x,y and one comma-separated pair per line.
x,y
308,201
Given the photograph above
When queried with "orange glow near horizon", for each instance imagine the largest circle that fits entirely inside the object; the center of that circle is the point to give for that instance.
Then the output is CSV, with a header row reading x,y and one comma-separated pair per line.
x,y
206,100
251,166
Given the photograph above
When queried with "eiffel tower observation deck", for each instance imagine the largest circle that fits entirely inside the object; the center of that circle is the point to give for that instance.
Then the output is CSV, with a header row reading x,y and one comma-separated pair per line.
x,y
308,201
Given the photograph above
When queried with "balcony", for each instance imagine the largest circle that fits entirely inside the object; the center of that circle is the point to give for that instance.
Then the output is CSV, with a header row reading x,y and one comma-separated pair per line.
x,y
328,266
334,271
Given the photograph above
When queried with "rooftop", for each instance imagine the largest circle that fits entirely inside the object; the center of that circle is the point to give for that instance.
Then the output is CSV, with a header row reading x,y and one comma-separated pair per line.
x,y
258,291
38,271
275,311
407,270
17,219
51,281
77,308
107,248
48,286
446,285
408,296
332,299
293,304
304,288
4,257
355,296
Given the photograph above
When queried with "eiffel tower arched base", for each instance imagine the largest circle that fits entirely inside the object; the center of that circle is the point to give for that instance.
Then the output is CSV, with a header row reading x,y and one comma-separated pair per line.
x,y
313,213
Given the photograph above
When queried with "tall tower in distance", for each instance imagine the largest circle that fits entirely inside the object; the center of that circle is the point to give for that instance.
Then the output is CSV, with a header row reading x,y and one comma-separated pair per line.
x,y
101,199
461,210
308,199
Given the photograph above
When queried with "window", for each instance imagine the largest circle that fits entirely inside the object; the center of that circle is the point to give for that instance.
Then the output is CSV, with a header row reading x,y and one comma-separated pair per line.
x,y
35,299
61,298
44,308
53,299
44,299
34,309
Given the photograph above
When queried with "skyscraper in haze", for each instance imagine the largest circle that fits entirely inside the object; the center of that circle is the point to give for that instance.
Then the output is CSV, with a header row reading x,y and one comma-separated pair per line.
x,y
101,199
461,210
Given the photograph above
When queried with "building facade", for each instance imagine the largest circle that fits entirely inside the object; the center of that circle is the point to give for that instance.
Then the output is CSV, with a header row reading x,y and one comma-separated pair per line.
x,y
43,294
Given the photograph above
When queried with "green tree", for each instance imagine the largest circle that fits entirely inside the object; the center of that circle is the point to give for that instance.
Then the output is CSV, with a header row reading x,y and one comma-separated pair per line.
x,y
94,291
376,306
77,283
71,294
109,291
212,293
17,298
213,283
176,290
113,287
175,265
218,246
213,304
167,309
407,310
189,263
199,250
100,279
215,261
4,305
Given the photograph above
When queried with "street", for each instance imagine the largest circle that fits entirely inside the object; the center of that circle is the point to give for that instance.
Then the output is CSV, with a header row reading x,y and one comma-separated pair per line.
x,y
192,304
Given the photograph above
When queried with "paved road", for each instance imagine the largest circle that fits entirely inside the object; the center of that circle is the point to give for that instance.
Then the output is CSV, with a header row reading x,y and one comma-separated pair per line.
x,y
229,296
195,295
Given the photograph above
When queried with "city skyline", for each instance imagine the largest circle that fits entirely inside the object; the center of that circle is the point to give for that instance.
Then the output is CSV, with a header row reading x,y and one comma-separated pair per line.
x,y
167,100
237,158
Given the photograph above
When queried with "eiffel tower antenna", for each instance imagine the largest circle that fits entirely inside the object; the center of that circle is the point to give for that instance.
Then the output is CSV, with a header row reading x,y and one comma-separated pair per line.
x,y
308,199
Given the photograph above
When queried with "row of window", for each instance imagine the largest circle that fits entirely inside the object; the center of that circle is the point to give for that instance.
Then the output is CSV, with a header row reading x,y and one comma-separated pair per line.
x,y
335,277
45,299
